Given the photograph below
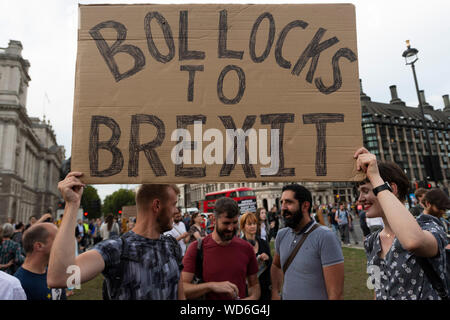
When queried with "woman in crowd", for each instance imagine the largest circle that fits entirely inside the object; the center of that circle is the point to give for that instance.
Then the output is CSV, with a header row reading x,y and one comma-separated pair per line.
x,y
11,257
263,230
392,253
249,225
196,230
109,228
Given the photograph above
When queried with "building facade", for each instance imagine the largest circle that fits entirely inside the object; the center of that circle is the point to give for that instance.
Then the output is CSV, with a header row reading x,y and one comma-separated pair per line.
x,y
392,131
30,158
395,132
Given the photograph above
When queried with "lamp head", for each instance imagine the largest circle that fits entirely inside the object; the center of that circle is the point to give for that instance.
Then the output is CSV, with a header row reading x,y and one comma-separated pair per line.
x,y
410,54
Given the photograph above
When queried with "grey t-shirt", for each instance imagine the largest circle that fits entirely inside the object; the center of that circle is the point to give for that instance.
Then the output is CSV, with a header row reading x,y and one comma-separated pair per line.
x,y
304,278
152,267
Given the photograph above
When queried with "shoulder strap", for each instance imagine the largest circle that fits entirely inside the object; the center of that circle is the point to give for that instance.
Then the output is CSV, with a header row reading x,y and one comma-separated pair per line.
x,y
433,277
111,287
300,243
199,259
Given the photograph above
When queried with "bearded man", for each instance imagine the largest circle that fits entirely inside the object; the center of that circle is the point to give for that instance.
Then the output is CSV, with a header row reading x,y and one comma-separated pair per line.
x,y
229,266
142,264
316,270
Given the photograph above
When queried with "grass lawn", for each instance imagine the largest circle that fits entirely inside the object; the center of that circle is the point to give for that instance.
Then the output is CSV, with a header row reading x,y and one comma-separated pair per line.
x,y
354,286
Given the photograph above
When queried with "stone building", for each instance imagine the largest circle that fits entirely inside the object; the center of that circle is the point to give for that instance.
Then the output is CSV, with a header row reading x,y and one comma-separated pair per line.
x,y
394,132
30,158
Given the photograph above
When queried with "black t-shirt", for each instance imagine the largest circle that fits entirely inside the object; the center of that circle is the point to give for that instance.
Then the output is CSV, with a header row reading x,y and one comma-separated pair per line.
x,y
35,286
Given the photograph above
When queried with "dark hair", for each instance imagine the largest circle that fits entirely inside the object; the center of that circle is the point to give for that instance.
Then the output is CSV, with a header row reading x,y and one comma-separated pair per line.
x,y
438,198
420,192
19,225
109,221
194,215
148,192
390,172
300,193
228,206
37,233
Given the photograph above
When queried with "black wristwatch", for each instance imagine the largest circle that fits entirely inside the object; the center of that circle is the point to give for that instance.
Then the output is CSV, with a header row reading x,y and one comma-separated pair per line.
x,y
384,186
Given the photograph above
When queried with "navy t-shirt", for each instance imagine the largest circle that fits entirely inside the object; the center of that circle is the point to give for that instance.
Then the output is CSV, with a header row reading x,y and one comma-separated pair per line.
x,y
35,286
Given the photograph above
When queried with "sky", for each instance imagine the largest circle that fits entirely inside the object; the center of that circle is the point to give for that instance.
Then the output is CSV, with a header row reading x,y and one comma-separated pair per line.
x,y
47,30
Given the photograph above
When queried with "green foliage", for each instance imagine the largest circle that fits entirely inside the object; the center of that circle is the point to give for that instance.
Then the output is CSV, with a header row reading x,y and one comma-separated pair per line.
x,y
91,203
120,198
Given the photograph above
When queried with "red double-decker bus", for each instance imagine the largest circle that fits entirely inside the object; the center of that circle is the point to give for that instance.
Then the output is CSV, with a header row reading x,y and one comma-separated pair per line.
x,y
245,197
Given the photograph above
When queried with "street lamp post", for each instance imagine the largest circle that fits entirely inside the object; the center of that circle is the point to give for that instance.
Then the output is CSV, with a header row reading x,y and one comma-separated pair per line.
x,y
410,55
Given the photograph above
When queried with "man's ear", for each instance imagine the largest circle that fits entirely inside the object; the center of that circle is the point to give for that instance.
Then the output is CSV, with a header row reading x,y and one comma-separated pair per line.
x,y
305,206
156,205
37,246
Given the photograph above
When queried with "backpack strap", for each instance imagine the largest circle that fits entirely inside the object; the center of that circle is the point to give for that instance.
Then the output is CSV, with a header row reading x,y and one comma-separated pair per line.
x,y
436,282
199,260
111,286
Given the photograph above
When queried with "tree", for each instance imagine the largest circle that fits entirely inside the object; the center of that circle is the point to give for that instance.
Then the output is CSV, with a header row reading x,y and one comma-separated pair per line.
x,y
113,203
91,203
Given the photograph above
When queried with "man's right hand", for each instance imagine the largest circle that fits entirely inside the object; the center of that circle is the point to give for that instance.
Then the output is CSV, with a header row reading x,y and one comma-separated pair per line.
x,y
225,287
71,188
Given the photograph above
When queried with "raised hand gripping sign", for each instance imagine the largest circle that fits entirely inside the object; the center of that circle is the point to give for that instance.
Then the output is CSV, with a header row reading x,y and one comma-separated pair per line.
x,y
209,93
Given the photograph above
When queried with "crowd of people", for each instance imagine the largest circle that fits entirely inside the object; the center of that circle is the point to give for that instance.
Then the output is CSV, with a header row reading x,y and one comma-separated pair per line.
x,y
166,255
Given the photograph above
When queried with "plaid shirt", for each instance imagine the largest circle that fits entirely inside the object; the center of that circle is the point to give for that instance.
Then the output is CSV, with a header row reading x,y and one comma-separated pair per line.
x,y
11,250
152,270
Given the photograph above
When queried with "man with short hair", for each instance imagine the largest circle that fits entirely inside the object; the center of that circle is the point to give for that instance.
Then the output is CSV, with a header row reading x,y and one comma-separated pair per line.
x,y
142,264
317,269
229,266
178,231
418,208
344,220
37,243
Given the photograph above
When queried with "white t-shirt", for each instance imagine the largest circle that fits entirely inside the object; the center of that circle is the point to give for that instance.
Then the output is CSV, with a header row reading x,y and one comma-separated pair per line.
x,y
104,233
177,230
263,231
10,288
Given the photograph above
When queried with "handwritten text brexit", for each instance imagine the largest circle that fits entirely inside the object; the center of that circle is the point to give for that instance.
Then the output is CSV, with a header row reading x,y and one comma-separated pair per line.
x,y
236,145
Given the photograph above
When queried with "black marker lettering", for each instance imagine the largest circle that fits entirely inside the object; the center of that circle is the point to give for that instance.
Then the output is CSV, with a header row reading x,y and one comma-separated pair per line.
x,y
135,147
191,70
321,120
277,121
344,52
167,36
192,172
269,40
223,31
110,145
184,52
241,91
108,52
226,169
280,42
313,51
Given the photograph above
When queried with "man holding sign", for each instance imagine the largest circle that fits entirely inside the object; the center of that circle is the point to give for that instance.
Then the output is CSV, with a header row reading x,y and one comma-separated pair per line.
x,y
140,265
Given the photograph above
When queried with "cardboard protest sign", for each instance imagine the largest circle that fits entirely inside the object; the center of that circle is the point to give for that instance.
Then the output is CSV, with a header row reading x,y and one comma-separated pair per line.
x,y
209,93
129,212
